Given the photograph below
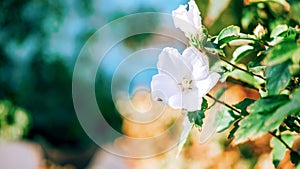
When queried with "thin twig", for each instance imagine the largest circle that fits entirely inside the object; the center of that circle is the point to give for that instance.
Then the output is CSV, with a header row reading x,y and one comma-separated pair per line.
x,y
235,66
225,104
283,142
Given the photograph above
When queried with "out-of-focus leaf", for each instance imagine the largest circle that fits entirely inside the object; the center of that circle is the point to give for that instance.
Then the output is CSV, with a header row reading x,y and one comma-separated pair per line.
x,y
295,12
295,158
282,112
243,105
254,125
294,69
278,30
284,3
241,51
245,77
279,149
225,119
187,127
283,52
278,77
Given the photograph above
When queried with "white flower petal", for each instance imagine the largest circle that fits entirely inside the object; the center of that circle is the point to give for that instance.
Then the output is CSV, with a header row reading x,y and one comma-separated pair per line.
x,y
195,14
191,101
205,85
187,21
171,62
193,56
163,87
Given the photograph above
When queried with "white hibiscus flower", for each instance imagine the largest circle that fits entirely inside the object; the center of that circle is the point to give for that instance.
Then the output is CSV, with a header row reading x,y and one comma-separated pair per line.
x,y
188,21
182,80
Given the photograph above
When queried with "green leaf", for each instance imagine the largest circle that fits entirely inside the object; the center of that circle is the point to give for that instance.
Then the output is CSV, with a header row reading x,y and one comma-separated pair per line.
x,y
234,129
267,104
278,30
229,31
196,117
295,157
246,77
240,52
279,149
283,52
225,118
278,77
290,108
231,34
253,125
243,105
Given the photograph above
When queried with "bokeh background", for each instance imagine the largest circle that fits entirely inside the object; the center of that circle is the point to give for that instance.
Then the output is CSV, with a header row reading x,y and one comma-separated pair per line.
x,y
40,41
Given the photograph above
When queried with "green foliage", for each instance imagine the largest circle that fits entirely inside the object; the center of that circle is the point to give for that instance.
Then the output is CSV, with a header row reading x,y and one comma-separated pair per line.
x,y
279,149
14,121
196,117
282,52
256,123
243,105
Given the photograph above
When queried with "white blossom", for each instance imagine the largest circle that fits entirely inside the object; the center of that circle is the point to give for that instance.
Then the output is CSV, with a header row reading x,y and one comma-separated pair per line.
x,y
188,21
182,80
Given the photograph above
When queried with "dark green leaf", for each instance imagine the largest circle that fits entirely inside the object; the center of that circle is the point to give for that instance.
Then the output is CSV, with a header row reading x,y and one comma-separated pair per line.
x,y
278,77
295,157
279,149
234,129
196,117
282,52
267,104
244,104
254,125
290,108
293,123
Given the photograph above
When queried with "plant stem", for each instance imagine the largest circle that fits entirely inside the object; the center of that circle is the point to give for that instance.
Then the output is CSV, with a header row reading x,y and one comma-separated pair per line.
x,y
273,134
225,104
241,69
283,142
235,66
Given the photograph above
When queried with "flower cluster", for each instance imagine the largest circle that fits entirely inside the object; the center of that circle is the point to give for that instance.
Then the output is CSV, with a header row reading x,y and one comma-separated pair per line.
x,y
183,79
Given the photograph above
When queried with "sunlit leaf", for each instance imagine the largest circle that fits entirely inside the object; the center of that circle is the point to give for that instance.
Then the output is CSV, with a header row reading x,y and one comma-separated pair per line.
x,y
282,112
241,51
278,30
278,77
283,52
231,35
246,77
254,125
229,31
279,149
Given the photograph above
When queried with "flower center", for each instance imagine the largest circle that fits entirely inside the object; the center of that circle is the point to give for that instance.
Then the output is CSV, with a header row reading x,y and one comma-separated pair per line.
x,y
186,84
